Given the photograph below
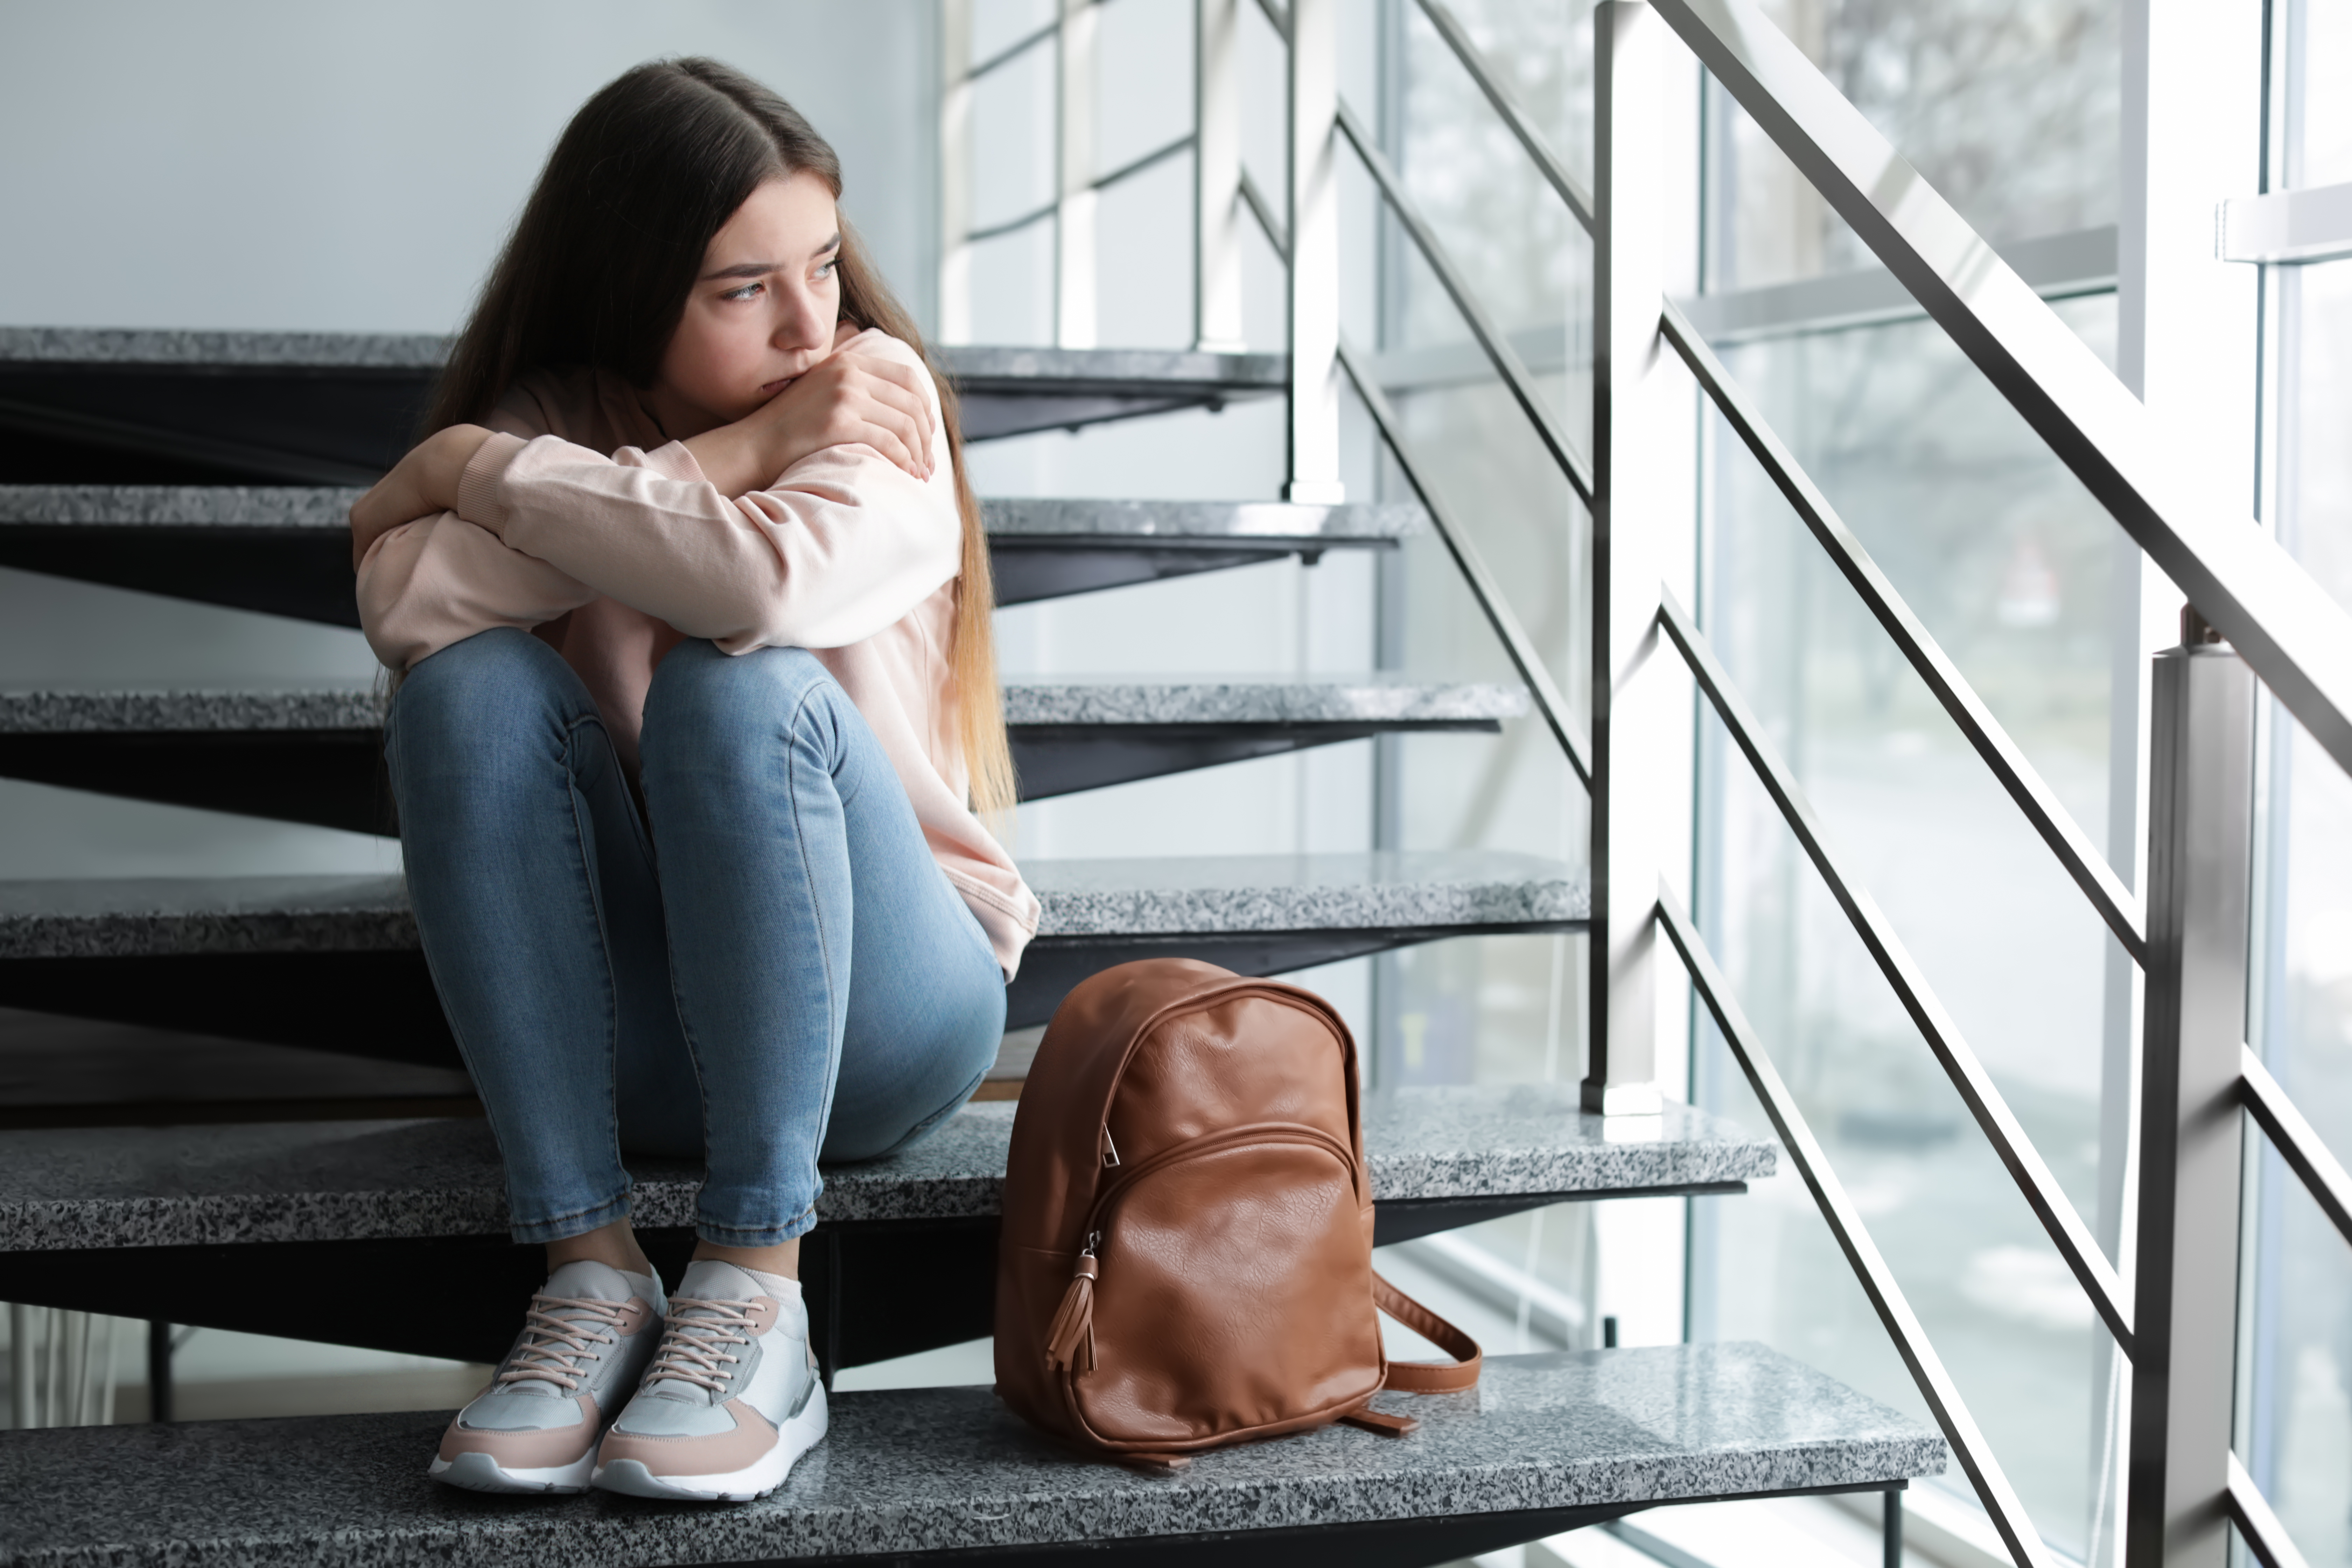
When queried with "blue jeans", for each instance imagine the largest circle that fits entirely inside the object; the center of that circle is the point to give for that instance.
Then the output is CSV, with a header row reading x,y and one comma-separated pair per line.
x,y
692,992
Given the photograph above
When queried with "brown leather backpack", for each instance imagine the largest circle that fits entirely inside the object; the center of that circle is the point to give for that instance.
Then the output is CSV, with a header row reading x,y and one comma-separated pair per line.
x,y
1187,1253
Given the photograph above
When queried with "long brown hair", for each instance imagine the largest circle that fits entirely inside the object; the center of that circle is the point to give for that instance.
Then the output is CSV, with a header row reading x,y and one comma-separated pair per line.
x,y
597,273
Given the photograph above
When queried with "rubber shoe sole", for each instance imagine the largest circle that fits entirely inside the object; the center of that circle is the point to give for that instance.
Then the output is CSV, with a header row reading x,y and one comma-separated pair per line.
x,y
481,1473
800,1433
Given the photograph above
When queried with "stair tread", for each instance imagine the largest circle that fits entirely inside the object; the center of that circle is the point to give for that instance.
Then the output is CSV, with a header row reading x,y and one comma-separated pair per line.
x,y
1057,700
328,508
935,1469
194,350
1107,898
340,1181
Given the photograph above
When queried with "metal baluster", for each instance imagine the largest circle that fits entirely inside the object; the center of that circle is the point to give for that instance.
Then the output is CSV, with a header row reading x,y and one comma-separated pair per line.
x,y
1314,233
159,1371
2201,816
1217,178
954,317
1074,224
1631,709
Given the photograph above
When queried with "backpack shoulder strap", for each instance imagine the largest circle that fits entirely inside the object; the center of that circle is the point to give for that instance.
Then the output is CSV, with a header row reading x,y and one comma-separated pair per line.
x,y
1428,1376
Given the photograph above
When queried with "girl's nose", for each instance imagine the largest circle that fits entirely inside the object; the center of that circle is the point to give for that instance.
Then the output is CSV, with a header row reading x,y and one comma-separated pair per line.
x,y
802,321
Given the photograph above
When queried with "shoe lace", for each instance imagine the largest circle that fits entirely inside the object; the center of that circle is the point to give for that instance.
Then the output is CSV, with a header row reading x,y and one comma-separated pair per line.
x,y
692,1350
553,1347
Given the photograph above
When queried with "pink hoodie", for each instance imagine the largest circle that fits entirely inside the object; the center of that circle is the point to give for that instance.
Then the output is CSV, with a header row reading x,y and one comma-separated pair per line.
x,y
614,561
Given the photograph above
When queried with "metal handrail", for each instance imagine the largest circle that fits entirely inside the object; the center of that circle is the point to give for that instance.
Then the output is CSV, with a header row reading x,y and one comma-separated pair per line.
x,y
1267,223
2117,905
1134,166
2050,1205
2290,632
2298,1141
1517,645
991,231
1507,105
1877,1281
2250,1512
1505,359
1013,50
1515,642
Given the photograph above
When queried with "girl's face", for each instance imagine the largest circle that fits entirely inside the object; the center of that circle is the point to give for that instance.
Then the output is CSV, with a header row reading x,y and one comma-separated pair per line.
x,y
763,311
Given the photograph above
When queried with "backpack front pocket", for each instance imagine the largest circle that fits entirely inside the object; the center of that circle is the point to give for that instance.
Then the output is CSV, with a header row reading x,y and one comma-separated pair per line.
x,y
1230,1292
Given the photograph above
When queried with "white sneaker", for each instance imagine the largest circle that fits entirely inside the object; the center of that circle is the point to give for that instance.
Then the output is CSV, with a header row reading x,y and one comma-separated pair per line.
x,y
730,1402
588,1337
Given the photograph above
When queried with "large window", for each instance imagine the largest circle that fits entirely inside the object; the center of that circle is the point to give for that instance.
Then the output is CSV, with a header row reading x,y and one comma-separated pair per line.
x,y
2297,1399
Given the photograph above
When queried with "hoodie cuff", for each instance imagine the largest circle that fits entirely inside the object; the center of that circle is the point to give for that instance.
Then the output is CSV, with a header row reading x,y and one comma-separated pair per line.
x,y
480,501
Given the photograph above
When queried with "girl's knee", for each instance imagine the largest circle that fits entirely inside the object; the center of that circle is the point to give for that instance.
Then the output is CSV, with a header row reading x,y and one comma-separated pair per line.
x,y
481,686
713,695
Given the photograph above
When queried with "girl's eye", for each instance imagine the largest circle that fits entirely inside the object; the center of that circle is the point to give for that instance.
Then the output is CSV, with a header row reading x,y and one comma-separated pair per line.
x,y
828,268
749,291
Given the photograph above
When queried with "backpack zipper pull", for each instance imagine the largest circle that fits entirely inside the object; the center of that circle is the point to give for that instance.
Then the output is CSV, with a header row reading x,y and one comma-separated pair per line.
x,y
1070,1339
1110,1149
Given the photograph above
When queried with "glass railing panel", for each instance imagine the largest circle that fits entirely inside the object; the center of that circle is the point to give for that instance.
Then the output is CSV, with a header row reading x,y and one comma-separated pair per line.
x,y
1523,254
2006,561
2012,1328
2011,109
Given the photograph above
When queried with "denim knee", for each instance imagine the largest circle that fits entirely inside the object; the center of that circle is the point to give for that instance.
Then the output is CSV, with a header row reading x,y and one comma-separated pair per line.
x,y
738,701
468,695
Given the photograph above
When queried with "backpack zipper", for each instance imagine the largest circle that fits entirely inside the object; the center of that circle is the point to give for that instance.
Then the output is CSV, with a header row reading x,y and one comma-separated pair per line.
x,y
1070,1337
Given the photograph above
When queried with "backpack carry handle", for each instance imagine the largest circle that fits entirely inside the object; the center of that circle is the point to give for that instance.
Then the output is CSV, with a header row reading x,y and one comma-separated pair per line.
x,y
1428,1376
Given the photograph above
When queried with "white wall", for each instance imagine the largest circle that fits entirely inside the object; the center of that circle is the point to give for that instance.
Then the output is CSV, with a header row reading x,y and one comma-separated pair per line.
x,y
285,164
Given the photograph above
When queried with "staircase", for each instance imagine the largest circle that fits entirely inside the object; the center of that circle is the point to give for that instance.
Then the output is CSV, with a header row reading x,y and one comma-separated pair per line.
x,y
252,1225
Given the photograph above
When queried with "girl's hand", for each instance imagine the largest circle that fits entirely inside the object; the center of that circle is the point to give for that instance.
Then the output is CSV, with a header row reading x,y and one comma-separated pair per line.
x,y
847,399
420,484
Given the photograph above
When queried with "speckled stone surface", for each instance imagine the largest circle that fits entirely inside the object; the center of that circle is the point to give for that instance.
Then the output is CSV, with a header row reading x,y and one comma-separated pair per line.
x,y
1050,518
145,916
329,507
100,712
1271,700
1383,890
424,351
1239,893
1362,700
988,365
337,1180
943,1468
181,506
130,346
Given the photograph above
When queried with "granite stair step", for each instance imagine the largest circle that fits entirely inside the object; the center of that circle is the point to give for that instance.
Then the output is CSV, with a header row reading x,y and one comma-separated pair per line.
x,y
197,1220
103,405
1546,1443
286,550
315,756
280,958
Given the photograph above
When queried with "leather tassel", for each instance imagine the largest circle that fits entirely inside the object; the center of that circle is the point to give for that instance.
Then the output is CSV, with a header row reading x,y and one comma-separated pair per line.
x,y
1070,1340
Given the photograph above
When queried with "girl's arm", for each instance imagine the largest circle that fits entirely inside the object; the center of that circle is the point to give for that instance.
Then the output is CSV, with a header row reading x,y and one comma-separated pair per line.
x,y
428,578
842,544
438,580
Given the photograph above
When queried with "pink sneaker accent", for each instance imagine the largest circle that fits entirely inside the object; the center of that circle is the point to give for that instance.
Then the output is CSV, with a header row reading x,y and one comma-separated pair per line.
x,y
539,1450
710,1454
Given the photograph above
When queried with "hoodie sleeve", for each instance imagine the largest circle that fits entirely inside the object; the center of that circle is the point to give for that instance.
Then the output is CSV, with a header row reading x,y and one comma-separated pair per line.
x,y
438,580
842,545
